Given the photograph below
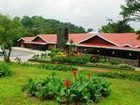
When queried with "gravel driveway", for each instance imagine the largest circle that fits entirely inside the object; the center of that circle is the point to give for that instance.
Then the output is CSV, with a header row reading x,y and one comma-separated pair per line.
x,y
22,53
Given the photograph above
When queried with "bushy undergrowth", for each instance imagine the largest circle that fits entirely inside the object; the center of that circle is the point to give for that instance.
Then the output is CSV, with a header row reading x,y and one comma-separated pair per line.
x,y
81,89
106,60
83,59
51,66
106,65
4,69
61,56
121,75
56,52
69,57
56,67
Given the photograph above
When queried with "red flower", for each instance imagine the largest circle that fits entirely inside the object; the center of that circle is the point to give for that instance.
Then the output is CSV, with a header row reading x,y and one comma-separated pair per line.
x,y
74,72
66,83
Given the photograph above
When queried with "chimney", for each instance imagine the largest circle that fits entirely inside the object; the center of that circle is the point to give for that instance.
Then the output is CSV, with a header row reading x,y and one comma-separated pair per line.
x,y
62,38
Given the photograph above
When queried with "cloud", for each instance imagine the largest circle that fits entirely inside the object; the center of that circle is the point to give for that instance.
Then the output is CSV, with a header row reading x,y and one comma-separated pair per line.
x,y
87,13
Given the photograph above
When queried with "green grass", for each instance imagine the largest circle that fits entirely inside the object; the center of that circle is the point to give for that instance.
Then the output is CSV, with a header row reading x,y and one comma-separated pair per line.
x,y
124,92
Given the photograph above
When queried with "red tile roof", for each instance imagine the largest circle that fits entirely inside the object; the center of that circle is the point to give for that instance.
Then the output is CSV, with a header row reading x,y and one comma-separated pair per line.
x,y
48,38
52,38
39,43
122,38
26,39
76,38
118,39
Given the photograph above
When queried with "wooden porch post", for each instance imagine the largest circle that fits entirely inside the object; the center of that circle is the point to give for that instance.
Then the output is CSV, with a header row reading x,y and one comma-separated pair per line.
x,y
138,58
78,50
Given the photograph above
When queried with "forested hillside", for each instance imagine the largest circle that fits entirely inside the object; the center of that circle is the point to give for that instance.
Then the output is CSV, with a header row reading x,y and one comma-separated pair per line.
x,y
36,24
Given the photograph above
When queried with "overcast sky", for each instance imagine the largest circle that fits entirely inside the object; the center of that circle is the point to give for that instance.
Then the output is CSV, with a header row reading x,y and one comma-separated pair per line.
x,y
86,13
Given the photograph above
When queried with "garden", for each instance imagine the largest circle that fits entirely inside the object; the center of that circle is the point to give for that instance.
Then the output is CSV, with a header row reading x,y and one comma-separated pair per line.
x,y
27,84
68,78
69,57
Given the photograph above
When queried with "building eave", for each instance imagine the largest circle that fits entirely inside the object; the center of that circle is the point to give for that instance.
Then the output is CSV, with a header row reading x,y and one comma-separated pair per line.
x,y
108,47
99,37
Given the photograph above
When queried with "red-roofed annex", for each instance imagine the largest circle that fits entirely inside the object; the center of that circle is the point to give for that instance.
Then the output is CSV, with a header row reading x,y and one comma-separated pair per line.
x,y
121,44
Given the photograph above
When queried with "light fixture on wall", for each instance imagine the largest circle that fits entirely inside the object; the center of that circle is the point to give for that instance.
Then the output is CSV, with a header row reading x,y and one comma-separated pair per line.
x,y
113,52
130,54
85,49
98,51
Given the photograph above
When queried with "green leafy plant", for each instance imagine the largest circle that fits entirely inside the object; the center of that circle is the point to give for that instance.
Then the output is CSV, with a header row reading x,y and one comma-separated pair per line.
x,y
83,59
56,67
4,69
84,89
121,75
105,60
18,60
106,65
51,66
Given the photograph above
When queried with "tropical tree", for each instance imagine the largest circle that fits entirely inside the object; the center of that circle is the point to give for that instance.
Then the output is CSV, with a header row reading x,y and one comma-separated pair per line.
x,y
9,31
131,10
89,30
120,26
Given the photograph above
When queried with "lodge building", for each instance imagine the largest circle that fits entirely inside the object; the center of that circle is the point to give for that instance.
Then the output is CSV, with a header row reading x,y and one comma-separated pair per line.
x,y
120,45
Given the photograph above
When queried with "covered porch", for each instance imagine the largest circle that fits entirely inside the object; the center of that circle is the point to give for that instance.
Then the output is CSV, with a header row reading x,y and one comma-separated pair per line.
x,y
39,46
121,53
36,45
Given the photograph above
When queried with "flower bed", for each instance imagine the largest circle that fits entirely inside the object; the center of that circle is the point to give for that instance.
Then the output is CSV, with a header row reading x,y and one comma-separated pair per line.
x,y
65,57
83,59
101,65
120,75
84,88
51,66
119,66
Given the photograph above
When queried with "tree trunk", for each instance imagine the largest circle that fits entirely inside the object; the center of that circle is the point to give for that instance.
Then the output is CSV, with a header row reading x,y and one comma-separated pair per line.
x,y
138,58
6,55
9,53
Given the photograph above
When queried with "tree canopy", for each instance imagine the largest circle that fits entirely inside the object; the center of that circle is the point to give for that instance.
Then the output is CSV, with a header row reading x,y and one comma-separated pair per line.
x,y
120,26
9,31
131,10
89,30
36,24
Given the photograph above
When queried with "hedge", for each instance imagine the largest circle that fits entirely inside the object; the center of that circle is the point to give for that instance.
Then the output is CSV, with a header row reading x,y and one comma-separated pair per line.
x,y
121,75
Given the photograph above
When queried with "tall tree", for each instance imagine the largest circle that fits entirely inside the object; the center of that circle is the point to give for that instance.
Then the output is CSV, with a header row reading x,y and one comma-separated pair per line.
x,y
89,30
131,10
9,30
121,26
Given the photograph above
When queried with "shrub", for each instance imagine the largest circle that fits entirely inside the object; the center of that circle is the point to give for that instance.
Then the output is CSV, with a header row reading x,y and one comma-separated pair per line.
x,y
4,70
51,66
106,65
125,66
121,75
36,56
56,52
18,60
83,89
108,61
83,59
45,60
95,59
56,67
105,60
42,56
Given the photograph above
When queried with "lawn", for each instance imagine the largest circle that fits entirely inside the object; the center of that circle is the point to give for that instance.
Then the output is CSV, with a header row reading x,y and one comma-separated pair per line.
x,y
124,92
